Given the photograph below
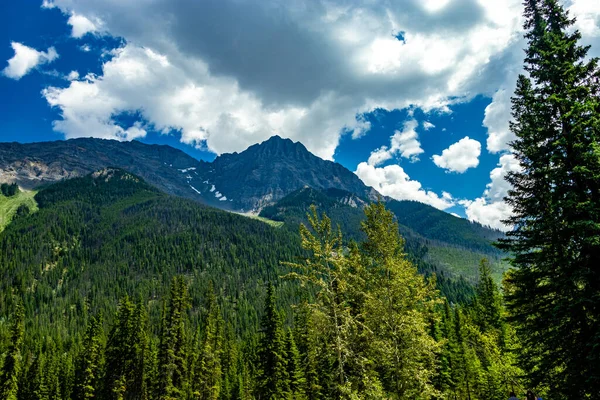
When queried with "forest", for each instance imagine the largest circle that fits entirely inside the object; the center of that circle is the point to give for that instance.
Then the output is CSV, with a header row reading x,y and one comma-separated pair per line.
x,y
115,290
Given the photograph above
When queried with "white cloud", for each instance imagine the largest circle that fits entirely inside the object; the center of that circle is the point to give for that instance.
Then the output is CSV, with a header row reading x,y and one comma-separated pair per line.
x,y
491,209
497,115
460,156
307,69
48,4
392,181
487,213
73,75
588,16
428,125
184,96
82,25
26,59
405,143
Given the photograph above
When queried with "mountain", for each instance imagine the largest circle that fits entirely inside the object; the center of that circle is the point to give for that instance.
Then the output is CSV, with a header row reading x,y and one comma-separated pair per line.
x,y
94,239
32,165
266,172
246,181
97,238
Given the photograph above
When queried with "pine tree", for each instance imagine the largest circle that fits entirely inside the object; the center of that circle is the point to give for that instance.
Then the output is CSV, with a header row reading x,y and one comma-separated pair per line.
x,y
89,363
555,243
172,357
229,363
126,352
272,379
326,270
295,372
488,299
398,309
305,334
208,374
11,370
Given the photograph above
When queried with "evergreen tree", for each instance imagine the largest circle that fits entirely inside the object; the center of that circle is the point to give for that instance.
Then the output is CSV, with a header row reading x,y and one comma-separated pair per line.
x,y
488,299
208,374
272,380
295,372
11,370
555,243
125,354
327,271
172,357
305,335
89,363
399,305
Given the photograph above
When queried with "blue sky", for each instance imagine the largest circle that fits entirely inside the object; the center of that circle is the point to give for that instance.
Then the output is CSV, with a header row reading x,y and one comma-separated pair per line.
x,y
413,96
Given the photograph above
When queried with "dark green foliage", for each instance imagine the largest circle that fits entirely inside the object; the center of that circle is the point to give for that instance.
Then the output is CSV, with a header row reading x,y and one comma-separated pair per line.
x,y
95,240
208,373
22,211
89,362
126,348
553,291
172,356
9,190
489,305
272,379
295,371
11,368
346,211
99,240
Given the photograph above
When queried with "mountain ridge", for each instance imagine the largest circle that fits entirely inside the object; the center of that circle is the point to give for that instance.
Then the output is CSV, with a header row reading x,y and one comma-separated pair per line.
x,y
245,181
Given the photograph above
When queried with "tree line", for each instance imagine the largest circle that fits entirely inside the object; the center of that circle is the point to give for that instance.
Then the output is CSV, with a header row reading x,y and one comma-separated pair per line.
x,y
369,327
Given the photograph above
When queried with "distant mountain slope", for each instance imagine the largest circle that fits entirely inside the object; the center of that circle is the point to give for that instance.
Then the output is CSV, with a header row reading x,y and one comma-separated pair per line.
x,y
438,225
107,234
34,164
10,206
265,174
450,243
96,238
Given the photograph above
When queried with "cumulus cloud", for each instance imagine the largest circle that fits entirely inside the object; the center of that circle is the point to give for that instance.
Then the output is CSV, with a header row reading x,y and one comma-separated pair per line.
x,y
26,59
405,143
588,16
491,209
73,75
81,25
308,69
460,156
497,115
428,125
392,181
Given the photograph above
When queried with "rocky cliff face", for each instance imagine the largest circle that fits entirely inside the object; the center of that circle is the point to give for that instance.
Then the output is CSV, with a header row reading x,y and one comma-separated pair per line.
x,y
266,172
246,181
35,164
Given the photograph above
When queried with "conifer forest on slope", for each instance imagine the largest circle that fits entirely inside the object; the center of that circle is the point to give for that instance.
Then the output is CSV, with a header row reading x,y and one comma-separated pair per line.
x,y
114,290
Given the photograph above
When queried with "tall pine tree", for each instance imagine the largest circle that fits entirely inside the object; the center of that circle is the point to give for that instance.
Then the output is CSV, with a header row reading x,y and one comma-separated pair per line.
x,y
172,355
273,378
10,374
553,292
88,366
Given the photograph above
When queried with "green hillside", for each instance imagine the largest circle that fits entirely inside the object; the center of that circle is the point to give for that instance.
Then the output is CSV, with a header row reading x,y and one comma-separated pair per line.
x,y
10,205
97,238
435,240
